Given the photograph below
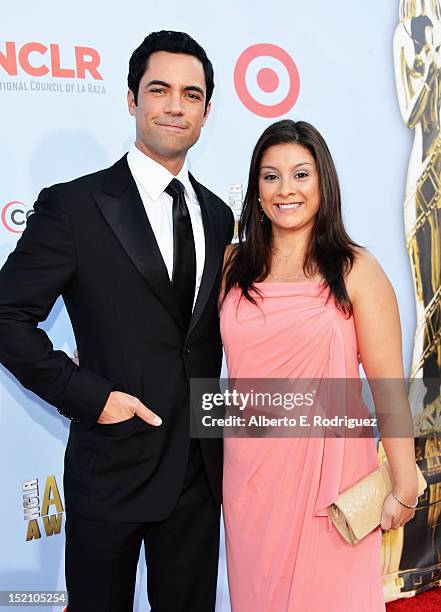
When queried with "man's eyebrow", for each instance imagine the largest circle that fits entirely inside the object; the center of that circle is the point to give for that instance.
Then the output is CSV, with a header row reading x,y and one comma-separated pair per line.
x,y
157,82
187,88
195,88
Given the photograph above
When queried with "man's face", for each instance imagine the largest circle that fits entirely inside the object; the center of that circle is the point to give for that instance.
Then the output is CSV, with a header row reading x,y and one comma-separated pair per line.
x,y
171,106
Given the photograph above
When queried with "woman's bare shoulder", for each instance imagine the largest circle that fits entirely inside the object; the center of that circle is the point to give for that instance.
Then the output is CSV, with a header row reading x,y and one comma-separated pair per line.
x,y
366,274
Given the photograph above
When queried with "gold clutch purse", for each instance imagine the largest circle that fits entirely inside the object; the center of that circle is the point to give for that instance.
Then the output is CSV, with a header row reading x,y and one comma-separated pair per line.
x,y
357,511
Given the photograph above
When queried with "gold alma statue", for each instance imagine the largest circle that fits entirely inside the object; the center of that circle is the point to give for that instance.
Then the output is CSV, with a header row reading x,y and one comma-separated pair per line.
x,y
412,555
418,77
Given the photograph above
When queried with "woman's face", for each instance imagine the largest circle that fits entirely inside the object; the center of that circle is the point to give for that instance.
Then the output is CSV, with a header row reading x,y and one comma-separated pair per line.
x,y
289,188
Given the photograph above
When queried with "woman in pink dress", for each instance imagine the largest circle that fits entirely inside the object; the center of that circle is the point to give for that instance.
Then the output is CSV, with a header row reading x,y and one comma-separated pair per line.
x,y
301,300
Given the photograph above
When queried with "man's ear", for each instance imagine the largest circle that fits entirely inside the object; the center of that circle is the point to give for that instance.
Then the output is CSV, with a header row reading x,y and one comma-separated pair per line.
x,y
131,102
207,112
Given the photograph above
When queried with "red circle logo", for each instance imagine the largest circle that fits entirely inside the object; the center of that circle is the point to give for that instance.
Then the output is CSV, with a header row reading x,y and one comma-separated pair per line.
x,y
14,216
267,80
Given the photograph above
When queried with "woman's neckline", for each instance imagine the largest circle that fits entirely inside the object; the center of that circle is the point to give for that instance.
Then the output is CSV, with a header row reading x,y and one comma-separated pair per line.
x,y
320,282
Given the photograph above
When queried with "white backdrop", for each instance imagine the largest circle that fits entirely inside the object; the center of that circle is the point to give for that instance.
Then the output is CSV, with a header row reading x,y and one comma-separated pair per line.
x,y
343,54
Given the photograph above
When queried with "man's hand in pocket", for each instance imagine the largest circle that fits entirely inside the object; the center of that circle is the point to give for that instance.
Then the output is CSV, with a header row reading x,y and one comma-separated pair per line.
x,y
122,406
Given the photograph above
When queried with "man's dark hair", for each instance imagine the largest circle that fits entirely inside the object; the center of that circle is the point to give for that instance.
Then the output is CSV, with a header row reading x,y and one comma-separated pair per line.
x,y
172,42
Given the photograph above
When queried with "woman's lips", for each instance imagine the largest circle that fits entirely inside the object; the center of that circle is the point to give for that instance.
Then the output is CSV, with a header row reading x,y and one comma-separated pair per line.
x,y
288,208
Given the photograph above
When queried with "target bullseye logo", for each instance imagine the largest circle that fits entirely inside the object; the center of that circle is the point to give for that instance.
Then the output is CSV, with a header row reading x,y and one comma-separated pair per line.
x,y
267,80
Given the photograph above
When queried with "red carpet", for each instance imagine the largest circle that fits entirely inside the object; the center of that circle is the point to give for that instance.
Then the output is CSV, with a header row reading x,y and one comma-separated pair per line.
x,y
425,602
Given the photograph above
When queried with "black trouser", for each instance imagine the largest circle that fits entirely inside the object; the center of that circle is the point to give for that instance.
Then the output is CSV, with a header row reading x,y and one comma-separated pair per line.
x,y
181,552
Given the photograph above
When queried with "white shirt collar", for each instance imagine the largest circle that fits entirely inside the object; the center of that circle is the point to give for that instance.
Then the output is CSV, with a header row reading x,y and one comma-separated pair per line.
x,y
153,176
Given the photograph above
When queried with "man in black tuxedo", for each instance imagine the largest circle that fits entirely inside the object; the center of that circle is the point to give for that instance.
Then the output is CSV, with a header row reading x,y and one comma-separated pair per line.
x,y
136,252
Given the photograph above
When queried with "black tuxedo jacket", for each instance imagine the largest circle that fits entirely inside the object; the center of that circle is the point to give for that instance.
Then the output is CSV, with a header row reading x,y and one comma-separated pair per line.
x,y
90,241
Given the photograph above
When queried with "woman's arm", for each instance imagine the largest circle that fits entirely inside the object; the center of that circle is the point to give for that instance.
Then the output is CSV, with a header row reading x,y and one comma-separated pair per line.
x,y
378,329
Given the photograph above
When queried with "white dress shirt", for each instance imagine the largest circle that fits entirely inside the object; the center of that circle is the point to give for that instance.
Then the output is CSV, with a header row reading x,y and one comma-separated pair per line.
x,y
151,179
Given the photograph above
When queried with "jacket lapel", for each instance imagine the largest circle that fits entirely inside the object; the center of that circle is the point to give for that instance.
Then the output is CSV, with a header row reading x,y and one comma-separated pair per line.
x,y
122,207
213,251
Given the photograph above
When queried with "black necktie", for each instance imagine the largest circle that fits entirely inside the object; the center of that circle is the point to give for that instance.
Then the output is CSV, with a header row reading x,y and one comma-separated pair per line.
x,y
184,254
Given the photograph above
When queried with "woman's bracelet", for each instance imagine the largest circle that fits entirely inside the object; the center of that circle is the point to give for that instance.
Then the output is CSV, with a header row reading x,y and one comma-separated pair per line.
x,y
403,504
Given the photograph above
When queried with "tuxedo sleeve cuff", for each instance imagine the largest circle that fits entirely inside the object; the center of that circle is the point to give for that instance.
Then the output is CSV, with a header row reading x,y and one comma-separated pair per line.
x,y
84,397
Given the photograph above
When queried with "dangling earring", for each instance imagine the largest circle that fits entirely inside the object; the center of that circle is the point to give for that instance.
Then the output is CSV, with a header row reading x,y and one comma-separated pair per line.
x,y
261,213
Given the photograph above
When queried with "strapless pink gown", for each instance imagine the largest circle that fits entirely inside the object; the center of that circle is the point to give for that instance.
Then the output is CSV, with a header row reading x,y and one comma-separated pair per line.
x,y
283,554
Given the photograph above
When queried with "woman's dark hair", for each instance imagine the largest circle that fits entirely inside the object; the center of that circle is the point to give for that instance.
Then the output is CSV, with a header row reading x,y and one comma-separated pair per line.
x,y
330,251
172,42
